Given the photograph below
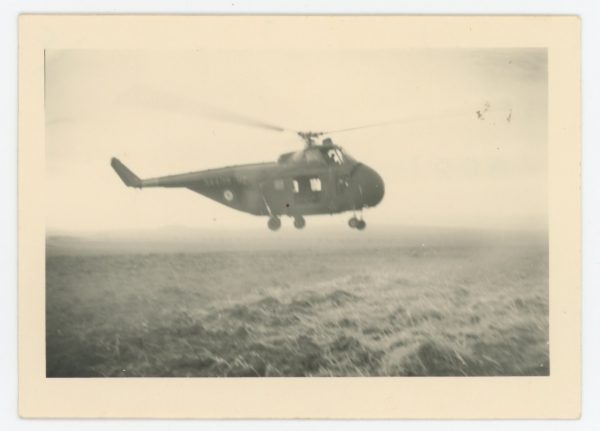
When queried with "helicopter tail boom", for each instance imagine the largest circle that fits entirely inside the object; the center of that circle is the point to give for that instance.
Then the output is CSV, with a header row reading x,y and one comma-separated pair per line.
x,y
187,180
129,178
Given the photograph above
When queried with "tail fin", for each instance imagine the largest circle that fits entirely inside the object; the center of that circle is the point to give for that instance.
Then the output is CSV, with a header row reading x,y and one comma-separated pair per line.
x,y
129,178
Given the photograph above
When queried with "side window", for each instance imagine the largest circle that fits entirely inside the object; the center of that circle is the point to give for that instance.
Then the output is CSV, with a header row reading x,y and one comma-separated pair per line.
x,y
279,184
307,189
315,184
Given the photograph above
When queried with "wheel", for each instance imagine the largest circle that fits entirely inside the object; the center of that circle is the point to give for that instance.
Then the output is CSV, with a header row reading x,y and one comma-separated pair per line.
x,y
274,223
361,225
299,222
353,222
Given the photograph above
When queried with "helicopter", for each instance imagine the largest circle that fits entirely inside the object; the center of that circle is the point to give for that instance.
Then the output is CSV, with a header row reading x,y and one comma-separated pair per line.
x,y
322,178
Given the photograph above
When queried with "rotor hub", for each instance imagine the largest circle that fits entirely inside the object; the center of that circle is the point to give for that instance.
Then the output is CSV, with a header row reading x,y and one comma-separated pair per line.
x,y
309,137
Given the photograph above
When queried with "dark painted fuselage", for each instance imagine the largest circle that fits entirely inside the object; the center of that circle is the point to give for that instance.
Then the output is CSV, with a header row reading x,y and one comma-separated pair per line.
x,y
320,179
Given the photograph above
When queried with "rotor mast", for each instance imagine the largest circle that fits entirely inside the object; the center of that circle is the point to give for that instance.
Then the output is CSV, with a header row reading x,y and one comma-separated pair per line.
x,y
309,137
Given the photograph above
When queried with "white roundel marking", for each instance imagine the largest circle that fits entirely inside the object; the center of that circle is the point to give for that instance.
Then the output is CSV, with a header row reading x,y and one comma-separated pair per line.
x,y
228,195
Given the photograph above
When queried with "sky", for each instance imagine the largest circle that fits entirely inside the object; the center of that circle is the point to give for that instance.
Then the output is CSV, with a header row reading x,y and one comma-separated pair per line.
x,y
442,166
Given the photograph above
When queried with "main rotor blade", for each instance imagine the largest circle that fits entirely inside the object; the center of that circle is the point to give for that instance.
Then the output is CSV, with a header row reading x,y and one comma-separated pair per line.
x,y
406,120
244,120
188,106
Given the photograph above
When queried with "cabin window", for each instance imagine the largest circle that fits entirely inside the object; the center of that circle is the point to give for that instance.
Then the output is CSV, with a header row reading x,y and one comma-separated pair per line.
x,y
315,184
307,189
279,184
304,185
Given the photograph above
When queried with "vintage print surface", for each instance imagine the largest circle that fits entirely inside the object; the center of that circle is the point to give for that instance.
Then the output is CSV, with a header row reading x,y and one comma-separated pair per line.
x,y
450,278
299,217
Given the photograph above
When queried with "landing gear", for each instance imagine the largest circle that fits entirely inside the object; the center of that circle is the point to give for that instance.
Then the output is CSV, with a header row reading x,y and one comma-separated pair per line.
x,y
356,223
274,223
299,222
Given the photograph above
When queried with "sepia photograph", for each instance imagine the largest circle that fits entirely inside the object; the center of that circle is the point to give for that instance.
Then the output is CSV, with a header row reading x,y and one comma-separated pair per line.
x,y
296,213
320,217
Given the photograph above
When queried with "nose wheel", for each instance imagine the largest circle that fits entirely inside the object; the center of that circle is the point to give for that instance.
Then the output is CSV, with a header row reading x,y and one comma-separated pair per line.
x,y
274,223
356,223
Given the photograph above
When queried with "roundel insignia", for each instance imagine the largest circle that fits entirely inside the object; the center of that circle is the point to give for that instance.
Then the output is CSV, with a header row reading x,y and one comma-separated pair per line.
x,y
228,195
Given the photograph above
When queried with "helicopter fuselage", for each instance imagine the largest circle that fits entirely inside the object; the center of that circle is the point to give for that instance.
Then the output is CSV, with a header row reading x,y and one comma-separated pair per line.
x,y
317,180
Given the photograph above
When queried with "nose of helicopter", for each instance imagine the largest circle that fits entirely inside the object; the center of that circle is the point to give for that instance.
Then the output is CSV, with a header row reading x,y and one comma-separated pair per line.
x,y
371,185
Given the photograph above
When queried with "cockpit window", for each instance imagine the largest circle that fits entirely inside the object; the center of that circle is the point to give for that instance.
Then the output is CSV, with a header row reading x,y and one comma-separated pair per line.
x,y
335,156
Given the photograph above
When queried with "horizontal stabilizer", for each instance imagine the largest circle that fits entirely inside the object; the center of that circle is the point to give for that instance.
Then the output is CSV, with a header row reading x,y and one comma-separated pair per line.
x,y
129,178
